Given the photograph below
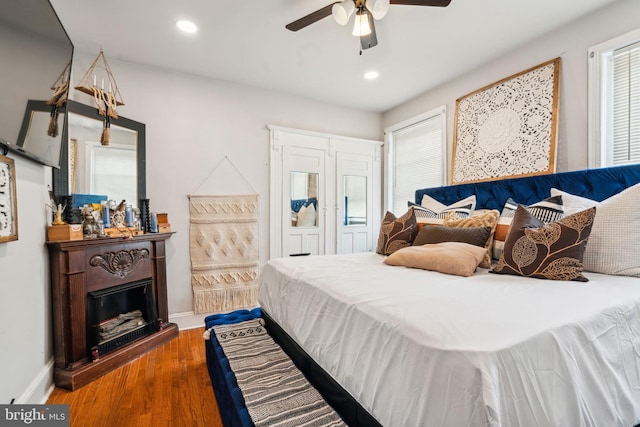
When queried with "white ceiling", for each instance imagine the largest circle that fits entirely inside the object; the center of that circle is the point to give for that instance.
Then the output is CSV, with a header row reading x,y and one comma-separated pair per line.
x,y
245,41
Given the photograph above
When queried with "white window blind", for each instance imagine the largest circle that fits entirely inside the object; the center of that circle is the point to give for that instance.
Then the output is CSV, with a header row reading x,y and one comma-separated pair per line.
x,y
417,160
625,116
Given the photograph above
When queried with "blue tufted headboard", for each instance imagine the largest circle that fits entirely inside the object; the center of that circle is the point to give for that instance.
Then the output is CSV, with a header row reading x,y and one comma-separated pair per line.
x,y
596,184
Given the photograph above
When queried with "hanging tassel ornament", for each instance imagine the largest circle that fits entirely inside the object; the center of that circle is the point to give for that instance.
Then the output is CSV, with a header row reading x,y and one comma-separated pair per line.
x,y
53,122
106,102
60,90
106,134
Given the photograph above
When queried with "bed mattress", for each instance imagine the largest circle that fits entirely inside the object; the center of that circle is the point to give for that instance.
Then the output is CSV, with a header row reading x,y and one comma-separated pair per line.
x,y
420,348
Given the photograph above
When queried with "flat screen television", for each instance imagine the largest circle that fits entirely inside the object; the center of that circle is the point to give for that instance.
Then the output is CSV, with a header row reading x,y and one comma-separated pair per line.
x,y
35,55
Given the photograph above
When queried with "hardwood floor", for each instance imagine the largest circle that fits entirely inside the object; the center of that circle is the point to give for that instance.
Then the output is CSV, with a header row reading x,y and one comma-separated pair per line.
x,y
168,386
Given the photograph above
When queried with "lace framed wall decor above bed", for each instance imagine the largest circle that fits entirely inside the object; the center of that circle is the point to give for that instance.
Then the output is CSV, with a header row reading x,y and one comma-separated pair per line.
x,y
508,128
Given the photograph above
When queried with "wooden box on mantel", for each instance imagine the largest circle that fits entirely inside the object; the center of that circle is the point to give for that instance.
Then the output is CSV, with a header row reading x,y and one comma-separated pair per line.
x,y
163,223
122,232
57,233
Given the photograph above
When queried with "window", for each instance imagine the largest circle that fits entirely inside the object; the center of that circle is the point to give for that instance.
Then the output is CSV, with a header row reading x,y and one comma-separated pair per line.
x,y
416,157
614,101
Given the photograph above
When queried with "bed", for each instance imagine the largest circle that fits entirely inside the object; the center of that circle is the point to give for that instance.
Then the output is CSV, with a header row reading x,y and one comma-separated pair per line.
x,y
399,346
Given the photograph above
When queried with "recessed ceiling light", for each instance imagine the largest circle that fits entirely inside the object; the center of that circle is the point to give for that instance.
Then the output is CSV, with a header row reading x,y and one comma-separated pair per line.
x,y
187,26
371,75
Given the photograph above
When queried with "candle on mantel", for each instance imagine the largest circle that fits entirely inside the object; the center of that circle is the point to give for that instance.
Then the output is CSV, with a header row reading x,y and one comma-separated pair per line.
x,y
102,84
109,87
94,80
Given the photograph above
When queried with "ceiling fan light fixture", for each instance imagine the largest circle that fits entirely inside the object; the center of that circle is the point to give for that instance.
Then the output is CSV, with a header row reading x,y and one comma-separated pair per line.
x,y
361,27
342,11
378,8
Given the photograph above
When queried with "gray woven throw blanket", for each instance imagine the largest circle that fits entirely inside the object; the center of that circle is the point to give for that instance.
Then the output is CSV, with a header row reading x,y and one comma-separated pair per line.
x,y
275,391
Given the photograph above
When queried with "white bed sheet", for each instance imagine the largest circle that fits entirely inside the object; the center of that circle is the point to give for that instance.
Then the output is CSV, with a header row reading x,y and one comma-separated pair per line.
x,y
420,348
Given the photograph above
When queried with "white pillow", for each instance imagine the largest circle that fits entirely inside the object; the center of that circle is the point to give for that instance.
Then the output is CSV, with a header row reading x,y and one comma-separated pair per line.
x,y
614,244
573,203
307,216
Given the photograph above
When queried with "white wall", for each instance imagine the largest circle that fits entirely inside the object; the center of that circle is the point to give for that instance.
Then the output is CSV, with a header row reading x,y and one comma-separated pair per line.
x,y
571,44
25,307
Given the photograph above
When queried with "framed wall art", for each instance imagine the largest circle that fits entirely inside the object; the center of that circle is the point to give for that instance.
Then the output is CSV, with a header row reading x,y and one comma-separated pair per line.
x,y
8,205
508,128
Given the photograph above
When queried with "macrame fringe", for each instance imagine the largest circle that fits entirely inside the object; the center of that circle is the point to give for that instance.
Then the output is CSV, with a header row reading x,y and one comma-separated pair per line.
x,y
210,300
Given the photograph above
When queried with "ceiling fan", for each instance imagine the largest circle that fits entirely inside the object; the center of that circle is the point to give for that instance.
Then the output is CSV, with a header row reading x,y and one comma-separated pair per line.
x,y
366,12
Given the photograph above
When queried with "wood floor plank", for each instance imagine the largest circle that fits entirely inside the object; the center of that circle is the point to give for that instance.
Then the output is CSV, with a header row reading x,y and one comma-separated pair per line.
x,y
169,386
82,410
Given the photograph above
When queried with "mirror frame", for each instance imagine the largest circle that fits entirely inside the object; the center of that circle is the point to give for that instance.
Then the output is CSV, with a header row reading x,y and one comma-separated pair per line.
x,y
61,175
34,106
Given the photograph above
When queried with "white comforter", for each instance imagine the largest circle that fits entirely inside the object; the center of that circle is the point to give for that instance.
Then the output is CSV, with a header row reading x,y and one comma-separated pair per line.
x,y
419,348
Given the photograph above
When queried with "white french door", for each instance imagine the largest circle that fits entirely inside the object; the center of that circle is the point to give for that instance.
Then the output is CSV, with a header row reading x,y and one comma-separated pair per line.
x,y
354,203
303,190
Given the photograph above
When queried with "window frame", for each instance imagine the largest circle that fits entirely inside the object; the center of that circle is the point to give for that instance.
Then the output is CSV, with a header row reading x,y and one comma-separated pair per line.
x,y
389,165
599,71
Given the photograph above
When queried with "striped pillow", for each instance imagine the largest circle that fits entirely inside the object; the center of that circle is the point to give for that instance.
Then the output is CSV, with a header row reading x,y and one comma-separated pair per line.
x,y
433,204
547,210
432,212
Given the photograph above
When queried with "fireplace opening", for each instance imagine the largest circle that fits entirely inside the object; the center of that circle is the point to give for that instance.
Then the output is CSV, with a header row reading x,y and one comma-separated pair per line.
x,y
120,315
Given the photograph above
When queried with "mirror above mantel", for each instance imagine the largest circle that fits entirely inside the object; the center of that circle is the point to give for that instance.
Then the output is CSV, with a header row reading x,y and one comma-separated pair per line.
x,y
116,170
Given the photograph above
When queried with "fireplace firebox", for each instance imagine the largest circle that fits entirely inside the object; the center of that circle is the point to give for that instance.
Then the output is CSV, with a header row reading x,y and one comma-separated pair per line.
x,y
118,316
109,304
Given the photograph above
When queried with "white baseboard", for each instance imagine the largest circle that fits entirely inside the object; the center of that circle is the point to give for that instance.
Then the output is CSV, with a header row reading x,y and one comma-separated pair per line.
x,y
188,320
40,388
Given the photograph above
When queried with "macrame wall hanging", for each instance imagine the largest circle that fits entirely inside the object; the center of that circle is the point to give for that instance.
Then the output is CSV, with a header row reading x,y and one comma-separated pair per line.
x,y
224,250
106,100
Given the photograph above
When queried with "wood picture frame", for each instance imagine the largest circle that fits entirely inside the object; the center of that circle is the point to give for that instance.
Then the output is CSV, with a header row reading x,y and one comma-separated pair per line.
x,y
8,204
508,128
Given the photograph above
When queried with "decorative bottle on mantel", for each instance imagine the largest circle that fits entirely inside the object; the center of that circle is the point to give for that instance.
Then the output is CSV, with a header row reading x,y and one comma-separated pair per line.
x,y
106,215
128,216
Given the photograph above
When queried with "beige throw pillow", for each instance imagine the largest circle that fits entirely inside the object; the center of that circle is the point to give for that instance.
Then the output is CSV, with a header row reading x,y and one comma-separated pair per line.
x,y
460,259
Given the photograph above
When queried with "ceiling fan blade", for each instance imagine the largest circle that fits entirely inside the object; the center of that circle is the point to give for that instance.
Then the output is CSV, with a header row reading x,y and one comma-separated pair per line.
x,y
370,40
310,18
440,3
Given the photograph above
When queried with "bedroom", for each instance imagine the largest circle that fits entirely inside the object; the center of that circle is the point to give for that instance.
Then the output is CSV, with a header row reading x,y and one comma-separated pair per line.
x,y
241,114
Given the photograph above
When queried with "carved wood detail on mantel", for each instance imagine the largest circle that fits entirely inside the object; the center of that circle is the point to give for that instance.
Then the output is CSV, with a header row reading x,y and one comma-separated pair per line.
x,y
119,263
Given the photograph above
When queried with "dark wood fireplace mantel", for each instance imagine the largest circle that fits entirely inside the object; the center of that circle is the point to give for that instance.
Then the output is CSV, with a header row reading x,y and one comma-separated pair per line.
x,y
82,266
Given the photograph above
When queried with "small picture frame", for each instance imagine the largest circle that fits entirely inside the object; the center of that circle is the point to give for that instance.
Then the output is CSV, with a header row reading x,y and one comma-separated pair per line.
x,y
8,204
